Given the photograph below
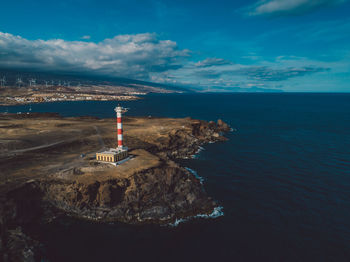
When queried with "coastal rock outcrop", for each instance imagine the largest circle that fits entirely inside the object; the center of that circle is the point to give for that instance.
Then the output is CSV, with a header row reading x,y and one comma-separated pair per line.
x,y
157,195
184,144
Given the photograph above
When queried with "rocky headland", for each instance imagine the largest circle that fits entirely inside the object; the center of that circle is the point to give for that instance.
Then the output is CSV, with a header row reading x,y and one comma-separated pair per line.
x,y
49,171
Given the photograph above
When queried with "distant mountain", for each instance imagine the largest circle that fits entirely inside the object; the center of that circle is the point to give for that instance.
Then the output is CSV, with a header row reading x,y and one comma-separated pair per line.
x,y
225,89
85,81
105,83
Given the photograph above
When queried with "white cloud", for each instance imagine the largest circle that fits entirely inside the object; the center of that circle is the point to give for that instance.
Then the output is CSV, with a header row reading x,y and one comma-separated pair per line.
x,y
146,57
135,56
86,37
275,73
212,61
289,7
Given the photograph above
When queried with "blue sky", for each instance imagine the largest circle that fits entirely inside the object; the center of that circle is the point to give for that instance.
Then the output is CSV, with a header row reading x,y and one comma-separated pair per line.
x,y
293,45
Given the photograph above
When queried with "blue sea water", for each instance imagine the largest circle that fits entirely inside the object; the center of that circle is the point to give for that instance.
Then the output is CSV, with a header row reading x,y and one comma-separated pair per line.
x,y
283,179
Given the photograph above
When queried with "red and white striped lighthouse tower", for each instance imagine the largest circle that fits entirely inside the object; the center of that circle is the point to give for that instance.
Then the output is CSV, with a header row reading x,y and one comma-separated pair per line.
x,y
119,111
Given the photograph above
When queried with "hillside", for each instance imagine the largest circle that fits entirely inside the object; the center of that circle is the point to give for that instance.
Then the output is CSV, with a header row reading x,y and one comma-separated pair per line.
x,y
25,78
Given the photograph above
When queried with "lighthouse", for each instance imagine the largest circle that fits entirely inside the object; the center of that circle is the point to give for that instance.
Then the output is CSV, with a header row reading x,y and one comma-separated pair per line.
x,y
119,154
119,111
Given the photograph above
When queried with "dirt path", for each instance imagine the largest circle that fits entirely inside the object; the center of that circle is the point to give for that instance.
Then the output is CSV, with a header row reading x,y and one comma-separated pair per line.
x,y
24,150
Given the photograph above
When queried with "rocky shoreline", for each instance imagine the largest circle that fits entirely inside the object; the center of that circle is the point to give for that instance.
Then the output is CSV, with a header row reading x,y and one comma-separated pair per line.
x,y
162,194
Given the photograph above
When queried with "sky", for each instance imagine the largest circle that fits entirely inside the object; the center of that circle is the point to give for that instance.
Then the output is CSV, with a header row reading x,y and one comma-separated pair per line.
x,y
291,45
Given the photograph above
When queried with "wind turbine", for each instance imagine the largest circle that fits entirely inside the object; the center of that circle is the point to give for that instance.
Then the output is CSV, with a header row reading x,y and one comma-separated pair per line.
x,y
2,81
32,82
19,81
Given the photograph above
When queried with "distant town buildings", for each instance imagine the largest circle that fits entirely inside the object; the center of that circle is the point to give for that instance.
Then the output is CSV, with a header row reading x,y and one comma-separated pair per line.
x,y
52,97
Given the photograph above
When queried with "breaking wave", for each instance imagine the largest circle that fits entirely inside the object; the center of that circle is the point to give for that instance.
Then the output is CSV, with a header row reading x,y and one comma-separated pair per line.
x,y
196,155
201,179
217,212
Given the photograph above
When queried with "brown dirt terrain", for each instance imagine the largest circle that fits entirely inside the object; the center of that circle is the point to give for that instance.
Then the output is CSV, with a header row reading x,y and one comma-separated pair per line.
x,y
45,145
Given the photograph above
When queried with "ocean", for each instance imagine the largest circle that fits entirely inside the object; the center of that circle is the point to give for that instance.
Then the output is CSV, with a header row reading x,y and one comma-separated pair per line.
x,y
283,180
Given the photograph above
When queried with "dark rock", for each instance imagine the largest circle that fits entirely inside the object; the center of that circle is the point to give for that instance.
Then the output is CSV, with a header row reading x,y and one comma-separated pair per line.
x,y
222,126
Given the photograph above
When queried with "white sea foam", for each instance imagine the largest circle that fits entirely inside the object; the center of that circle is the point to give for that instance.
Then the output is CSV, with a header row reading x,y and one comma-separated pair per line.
x,y
200,148
196,155
201,179
217,212
178,222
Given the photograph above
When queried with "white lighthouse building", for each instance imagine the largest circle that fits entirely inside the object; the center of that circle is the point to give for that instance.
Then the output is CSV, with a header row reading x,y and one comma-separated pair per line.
x,y
115,155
